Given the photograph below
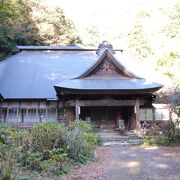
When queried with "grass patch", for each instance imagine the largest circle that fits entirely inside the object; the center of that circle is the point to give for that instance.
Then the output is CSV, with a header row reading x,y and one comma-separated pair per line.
x,y
161,140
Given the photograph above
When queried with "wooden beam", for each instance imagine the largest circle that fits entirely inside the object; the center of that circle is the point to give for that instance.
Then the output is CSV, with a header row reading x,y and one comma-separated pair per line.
x,y
106,102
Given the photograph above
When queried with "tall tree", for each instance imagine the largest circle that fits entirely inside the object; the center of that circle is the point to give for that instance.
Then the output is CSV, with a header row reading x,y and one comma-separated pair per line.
x,y
7,17
172,28
33,22
138,44
167,62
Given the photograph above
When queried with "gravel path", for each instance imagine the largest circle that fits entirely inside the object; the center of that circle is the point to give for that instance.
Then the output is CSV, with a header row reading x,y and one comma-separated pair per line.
x,y
131,163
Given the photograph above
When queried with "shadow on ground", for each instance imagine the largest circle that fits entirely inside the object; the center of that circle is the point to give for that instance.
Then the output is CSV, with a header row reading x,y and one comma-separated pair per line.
x,y
139,163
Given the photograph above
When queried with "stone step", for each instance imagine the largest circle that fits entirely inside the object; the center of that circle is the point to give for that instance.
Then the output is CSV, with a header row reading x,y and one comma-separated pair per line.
x,y
114,139
122,143
119,137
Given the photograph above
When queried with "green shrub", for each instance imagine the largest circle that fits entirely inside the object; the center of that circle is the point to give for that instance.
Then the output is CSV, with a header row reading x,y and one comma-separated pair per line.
x,y
168,130
60,170
74,141
91,138
156,140
5,134
21,140
47,147
80,141
163,140
83,158
176,141
7,165
10,149
147,140
99,140
34,161
46,136
84,126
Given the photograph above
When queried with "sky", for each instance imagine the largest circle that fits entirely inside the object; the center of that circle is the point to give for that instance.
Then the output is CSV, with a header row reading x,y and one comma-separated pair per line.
x,y
106,12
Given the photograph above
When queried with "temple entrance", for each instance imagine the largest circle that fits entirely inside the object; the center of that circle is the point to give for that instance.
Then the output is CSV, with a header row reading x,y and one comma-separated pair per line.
x,y
108,115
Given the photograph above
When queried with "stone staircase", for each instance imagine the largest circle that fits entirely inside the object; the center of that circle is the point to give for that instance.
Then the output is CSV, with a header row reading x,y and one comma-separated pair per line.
x,y
111,137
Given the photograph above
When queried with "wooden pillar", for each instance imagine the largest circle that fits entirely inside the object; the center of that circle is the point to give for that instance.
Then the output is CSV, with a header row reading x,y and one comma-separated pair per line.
x,y
7,115
58,109
27,115
138,125
47,114
1,115
22,115
17,114
77,109
37,117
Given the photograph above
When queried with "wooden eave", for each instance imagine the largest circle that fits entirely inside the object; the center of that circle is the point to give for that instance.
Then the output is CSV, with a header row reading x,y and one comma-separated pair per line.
x,y
66,91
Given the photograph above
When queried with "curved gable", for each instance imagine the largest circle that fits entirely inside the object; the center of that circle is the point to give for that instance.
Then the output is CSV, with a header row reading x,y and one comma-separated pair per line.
x,y
107,65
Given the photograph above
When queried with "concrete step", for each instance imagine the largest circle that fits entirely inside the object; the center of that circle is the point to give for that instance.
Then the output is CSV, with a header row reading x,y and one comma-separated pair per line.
x,y
120,140
116,139
122,143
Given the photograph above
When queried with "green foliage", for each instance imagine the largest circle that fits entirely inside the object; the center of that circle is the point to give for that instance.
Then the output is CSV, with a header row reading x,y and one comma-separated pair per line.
x,y
156,140
75,142
48,147
84,126
61,170
172,28
91,138
139,45
166,62
166,138
176,141
8,153
80,141
91,36
33,23
8,14
5,134
168,130
34,161
7,47
46,136
99,141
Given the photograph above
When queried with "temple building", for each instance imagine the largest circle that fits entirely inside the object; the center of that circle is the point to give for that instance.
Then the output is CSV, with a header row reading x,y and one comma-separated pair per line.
x,y
42,84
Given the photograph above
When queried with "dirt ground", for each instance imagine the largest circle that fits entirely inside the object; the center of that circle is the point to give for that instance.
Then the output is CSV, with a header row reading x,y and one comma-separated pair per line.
x,y
131,163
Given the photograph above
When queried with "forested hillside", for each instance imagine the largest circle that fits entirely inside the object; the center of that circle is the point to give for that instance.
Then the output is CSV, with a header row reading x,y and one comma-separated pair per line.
x,y
33,22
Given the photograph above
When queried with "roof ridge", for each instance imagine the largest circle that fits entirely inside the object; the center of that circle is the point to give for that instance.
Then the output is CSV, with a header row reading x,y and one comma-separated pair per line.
x,y
58,48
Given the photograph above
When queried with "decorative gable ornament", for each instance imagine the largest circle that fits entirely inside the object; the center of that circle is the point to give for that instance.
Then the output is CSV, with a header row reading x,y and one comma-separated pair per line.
x,y
105,45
